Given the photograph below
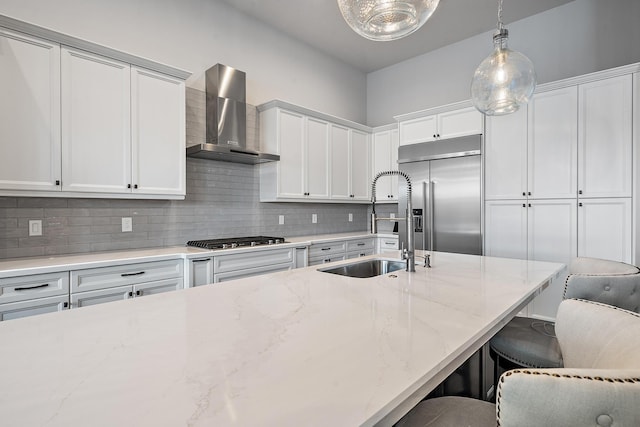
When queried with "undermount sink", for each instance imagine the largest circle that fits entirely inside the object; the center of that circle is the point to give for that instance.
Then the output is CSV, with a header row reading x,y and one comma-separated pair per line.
x,y
367,268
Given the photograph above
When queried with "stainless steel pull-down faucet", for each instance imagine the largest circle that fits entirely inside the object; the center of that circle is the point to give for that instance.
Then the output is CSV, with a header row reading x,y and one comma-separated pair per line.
x,y
409,252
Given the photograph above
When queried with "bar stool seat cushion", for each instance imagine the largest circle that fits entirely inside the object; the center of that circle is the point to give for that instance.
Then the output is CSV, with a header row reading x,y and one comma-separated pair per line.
x,y
528,342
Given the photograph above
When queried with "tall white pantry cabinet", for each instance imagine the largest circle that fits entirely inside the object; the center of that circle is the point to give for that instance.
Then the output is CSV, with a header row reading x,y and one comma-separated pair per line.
x,y
82,120
559,177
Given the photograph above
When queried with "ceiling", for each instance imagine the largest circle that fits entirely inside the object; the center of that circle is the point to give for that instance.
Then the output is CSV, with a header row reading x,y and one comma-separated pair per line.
x,y
319,24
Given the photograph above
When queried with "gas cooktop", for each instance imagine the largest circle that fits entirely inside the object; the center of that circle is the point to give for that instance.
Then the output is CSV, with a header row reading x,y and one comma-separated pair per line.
x,y
235,242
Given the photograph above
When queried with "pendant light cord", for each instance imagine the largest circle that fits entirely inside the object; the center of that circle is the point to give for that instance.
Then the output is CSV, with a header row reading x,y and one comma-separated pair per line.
x,y
500,25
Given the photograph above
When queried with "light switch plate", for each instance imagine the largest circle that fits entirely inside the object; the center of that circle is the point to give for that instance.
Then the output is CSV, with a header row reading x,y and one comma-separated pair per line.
x,y
127,224
350,217
35,227
314,218
281,219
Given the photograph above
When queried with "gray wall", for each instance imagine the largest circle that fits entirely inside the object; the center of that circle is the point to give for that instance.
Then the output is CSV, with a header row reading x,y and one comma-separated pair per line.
x,y
196,34
577,38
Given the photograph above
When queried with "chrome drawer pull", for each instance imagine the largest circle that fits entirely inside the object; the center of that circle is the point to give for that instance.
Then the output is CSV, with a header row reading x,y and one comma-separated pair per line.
x,y
32,287
132,274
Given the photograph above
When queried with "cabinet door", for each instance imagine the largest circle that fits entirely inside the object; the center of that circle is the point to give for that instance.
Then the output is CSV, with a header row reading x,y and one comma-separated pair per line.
x,y
466,121
200,271
506,156
506,229
290,131
317,158
604,229
418,130
29,113
382,151
158,133
157,287
339,162
551,237
17,310
96,130
553,118
101,296
360,159
605,138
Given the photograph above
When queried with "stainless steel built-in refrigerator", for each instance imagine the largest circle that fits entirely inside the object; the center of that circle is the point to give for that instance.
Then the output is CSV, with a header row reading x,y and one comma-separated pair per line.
x,y
446,188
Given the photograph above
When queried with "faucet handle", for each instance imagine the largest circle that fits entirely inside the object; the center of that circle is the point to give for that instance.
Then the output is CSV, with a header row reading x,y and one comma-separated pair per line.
x,y
427,260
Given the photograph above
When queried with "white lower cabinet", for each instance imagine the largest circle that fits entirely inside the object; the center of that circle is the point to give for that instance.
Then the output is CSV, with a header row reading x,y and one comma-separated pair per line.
x,y
105,284
322,253
199,272
254,263
386,244
17,310
28,295
360,248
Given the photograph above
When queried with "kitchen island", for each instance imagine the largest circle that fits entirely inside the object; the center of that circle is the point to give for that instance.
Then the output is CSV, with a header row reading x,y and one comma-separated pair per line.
x,y
299,347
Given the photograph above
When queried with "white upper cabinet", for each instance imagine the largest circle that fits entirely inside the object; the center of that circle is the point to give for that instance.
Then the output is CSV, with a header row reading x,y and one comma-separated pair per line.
x,y
506,156
385,158
157,133
320,159
552,154
449,124
29,113
96,123
84,120
605,138
317,158
340,162
359,165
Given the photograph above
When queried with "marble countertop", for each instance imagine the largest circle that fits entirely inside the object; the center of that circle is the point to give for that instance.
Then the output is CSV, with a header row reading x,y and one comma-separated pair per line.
x,y
294,348
39,265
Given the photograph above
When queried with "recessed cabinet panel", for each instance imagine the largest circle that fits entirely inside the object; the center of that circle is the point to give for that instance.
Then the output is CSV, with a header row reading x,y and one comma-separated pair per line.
x,y
360,159
553,118
506,229
339,162
466,121
604,229
18,310
96,123
158,133
291,165
29,113
418,130
605,138
385,158
317,158
505,156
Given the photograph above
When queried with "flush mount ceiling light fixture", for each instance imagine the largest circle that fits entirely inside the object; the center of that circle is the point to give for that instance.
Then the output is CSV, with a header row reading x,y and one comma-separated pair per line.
x,y
503,81
384,20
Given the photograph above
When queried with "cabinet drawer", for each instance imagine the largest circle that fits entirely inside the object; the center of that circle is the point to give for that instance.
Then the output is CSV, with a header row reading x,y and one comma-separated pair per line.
x,y
388,244
360,245
249,272
358,254
326,259
234,262
121,275
22,288
326,249
16,310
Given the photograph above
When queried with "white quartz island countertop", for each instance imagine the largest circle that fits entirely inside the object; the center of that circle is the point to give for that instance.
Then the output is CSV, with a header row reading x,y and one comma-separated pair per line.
x,y
295,348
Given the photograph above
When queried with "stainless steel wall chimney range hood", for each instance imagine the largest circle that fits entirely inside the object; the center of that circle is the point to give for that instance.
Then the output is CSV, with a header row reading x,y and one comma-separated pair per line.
x,y
226,119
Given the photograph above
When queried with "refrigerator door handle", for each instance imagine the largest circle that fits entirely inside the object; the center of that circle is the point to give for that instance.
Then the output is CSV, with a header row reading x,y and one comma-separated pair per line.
x,y
424,210
431,213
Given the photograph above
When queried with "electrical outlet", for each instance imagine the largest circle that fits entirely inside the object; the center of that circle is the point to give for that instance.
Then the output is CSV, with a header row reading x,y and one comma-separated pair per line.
x,y
392,215
127,224
35,227
314,218
350,217
281,219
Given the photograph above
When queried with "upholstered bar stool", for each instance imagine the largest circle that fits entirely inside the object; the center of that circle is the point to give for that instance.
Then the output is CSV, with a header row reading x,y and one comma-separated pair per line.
x,y
531,343
599,385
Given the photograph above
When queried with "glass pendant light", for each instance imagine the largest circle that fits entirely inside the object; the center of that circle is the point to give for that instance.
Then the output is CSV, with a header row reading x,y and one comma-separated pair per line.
x,y
503,81
384,20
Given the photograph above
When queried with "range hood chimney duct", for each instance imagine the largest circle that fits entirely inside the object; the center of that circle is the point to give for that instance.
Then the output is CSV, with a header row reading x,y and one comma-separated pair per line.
x,y
226,119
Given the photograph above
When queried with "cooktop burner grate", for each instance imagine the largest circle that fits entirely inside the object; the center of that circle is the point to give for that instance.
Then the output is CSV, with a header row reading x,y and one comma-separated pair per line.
x,y
235,242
